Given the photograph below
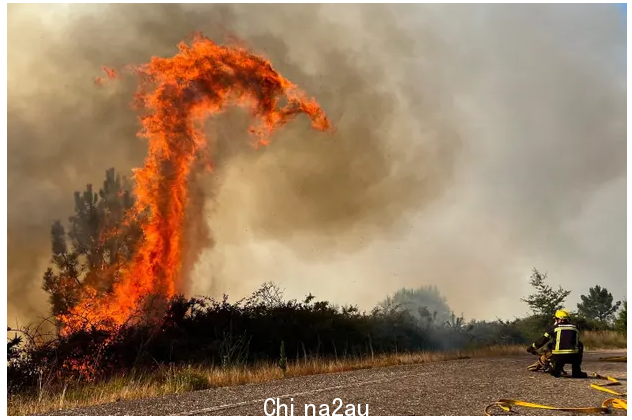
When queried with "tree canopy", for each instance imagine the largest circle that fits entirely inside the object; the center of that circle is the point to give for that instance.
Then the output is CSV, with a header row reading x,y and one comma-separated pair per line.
x,y
621,324
424,303
598,304
546,300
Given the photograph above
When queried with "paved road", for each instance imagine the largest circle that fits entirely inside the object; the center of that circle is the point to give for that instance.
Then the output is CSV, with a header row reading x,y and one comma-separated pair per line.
x,y
460,387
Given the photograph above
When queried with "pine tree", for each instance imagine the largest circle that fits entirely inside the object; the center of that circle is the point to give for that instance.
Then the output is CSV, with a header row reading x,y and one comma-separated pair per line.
x,y
98,239
63,284
598,305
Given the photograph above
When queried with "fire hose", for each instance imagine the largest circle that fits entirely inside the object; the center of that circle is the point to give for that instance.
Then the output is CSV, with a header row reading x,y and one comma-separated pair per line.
x,y
620,402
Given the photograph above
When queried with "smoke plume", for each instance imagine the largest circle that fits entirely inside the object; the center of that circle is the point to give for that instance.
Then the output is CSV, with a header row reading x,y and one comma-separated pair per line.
x,y
472,143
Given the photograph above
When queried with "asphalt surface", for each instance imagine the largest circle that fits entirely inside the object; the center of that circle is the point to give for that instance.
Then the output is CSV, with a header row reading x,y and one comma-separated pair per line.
x,y
459,387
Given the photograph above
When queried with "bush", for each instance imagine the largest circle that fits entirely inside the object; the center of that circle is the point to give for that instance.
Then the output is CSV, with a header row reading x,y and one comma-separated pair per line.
x,y
621,324
587,324
209,332
22,372
604,340
204,331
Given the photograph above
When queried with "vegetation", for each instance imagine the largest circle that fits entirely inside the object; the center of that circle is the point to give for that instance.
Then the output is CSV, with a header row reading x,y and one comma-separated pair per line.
x,y
426,304
599,340
90,251
546,300
621,324
178,379
220,333
202,342
598,305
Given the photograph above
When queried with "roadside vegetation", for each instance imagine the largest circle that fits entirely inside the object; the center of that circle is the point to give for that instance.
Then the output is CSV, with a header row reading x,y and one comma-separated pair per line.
x,y
185,378
198,343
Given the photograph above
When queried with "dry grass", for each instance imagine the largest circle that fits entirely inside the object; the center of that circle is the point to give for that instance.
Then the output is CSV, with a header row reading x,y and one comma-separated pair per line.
x,y
173,380
190,378
598,340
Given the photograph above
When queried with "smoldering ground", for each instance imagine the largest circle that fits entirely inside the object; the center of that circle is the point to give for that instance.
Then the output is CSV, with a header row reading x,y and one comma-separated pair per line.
x,y
472,143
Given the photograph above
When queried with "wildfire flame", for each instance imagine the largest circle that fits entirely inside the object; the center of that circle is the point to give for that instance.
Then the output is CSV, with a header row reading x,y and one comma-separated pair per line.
x,y
178,94
109,72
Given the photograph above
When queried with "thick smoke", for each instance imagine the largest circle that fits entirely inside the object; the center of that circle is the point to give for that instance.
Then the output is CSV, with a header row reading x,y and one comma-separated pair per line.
x,y
472,143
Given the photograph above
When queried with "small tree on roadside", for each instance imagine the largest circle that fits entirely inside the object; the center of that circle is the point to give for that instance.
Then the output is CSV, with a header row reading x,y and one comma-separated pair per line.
x,y
598,305
621,323
546,300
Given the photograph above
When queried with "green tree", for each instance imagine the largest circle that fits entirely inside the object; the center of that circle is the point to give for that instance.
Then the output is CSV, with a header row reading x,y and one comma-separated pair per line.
x,y
546,300
62,283
98,239
598,305
425,303
621,323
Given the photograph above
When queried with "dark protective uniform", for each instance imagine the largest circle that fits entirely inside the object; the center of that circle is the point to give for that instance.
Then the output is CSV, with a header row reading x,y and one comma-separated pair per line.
x,y
565,348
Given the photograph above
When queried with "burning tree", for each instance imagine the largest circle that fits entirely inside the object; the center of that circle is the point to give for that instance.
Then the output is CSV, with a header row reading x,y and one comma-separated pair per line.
x,y
95,244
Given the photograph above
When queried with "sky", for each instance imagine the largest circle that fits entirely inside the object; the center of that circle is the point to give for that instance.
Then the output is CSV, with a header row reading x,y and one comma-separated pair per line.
x,y
465,130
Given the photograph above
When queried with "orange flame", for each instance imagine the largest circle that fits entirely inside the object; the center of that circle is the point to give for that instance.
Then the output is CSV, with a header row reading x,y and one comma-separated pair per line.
x,y
110,73
179,93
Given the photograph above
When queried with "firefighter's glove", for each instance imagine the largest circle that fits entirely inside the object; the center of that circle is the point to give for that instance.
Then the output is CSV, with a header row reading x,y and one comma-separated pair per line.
x,y
531,350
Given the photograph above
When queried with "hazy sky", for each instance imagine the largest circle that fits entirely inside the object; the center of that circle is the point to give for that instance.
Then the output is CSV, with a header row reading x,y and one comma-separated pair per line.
x,y
475,142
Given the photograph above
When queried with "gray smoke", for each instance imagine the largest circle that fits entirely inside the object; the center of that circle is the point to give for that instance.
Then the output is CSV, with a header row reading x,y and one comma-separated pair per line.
x,y
472,143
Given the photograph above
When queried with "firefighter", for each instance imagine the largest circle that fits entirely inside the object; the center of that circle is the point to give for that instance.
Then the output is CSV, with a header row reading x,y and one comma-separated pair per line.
x,y
564,345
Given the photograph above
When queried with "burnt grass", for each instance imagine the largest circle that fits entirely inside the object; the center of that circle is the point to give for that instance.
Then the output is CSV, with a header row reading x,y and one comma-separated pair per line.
x,y
208,332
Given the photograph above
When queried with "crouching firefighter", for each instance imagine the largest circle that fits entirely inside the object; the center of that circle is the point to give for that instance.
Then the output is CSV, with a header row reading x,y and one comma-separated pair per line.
x,y
563,347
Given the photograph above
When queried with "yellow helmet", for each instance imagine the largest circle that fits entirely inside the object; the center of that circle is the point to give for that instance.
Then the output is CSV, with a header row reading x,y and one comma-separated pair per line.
x,y
562,314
